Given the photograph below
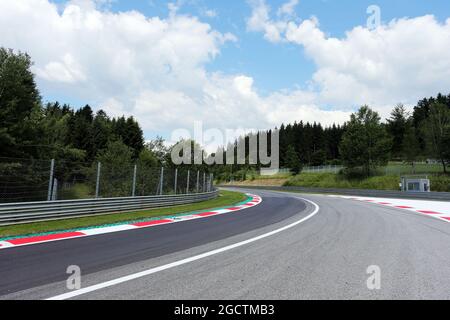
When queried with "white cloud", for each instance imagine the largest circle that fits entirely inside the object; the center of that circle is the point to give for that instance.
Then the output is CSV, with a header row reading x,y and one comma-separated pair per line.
x,y
67,70
288,9
301,105
402,61
210,13
152,68
260,20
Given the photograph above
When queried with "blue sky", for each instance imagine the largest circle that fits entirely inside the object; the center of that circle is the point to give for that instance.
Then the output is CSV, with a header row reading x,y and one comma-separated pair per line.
x,y
275,66
210,60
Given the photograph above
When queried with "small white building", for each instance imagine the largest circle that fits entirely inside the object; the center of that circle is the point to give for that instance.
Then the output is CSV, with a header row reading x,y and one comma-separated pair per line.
x,y
415,184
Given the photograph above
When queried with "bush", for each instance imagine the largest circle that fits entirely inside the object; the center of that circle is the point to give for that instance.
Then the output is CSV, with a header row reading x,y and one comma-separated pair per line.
x,y
358,173
331,180
439,183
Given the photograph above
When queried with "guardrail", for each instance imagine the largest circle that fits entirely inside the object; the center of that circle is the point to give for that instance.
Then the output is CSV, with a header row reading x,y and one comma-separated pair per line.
x,y
14,213
442,196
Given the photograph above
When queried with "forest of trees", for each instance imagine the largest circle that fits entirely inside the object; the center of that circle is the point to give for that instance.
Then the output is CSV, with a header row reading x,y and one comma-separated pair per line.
x,y
366,142
31,129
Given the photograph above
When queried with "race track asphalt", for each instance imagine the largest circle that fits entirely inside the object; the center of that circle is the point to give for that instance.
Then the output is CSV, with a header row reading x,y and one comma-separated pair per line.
x,y
324,257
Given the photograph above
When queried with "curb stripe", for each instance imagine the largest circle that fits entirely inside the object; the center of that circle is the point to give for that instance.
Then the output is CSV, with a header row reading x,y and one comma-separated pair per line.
x,y
152,223
4,244
438,215
428,212
207,214
50,237
93,231
99,231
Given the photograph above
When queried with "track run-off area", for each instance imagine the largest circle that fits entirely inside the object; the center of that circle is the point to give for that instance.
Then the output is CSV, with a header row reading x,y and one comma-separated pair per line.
x,y
287,246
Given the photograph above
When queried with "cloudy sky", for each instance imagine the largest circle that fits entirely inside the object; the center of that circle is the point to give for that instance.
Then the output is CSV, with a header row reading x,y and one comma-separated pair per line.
x,y
232,64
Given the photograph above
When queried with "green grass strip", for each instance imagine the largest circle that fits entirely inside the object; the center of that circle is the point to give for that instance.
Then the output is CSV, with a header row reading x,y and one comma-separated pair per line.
x,y
225,200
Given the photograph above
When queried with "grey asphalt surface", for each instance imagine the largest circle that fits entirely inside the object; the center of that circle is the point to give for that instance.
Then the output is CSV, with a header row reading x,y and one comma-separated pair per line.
x,y
31,266
325,257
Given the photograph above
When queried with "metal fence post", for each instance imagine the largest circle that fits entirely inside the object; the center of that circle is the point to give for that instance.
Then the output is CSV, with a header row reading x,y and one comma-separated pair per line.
x,y
187,184
204,182
161,180
198,181
211,182
55,190
50,181
176,180
133,193
97,184
157,188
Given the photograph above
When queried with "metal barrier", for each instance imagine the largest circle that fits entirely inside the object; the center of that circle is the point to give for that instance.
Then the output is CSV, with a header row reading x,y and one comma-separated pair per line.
x,y
440,196
13,213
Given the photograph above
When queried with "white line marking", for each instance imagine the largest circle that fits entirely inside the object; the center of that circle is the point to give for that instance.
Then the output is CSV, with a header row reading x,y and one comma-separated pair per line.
x,y
182,262
103,230
4,244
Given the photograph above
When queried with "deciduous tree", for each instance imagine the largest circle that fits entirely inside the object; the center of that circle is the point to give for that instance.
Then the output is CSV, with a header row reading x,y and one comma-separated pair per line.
x,y
365,144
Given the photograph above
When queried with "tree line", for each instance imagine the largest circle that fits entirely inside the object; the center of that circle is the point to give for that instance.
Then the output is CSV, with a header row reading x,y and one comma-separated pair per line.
x,y
31,129
365,142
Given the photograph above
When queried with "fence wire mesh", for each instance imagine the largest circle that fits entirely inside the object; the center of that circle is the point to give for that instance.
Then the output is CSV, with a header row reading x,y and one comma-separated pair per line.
x,y
23,180
34,180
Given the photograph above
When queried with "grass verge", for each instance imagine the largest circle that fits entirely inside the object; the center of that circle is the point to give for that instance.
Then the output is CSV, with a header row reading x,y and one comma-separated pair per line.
x,y
226,198
440,183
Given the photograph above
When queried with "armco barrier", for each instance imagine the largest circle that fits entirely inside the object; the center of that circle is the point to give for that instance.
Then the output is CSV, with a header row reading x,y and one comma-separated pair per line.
x,y
13,213
441,196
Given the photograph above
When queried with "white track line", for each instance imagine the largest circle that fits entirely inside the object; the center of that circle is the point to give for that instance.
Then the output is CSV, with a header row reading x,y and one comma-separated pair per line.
x,y
182,262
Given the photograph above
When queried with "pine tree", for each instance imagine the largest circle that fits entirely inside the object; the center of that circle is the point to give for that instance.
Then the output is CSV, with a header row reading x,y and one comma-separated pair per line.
x,y
292,160
80,131
101,131
134,137
396,127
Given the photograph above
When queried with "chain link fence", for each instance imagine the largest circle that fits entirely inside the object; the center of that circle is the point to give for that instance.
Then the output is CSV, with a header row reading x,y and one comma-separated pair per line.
x,y
48,180
391,169
413,169
323,169
23,180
